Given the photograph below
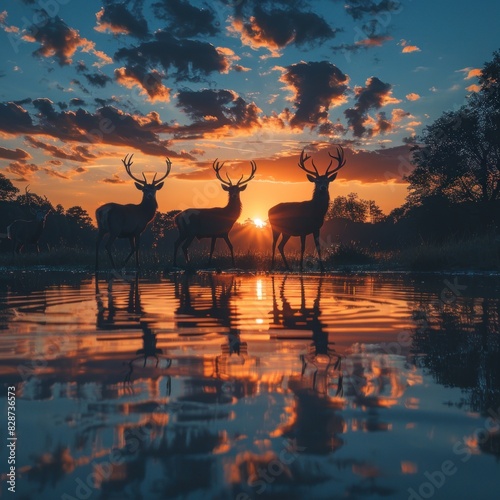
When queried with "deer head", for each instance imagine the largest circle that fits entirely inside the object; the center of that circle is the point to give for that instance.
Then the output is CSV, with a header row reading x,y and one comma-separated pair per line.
x,y
233,189
148,188
322,181
40,212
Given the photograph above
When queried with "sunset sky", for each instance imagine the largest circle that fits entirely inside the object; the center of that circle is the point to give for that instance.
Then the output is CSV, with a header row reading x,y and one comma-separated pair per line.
x,y
85,83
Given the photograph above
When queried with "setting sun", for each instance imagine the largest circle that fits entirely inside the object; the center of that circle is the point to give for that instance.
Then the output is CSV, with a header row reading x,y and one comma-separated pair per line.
x,y
259,223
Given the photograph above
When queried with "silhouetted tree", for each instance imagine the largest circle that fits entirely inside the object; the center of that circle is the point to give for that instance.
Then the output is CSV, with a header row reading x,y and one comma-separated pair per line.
x,y
459,154
80,217
351,207
8,191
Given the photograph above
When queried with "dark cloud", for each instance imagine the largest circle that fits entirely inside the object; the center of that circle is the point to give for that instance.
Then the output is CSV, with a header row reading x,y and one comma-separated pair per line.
x,y
375,95
317,86
14,119
192,59
108,125
78,153
79,84
118,19
23,101
55,173
56,39
149,81
359,9
115,179
186,20
76,101
277,28
14,154
96,79
212,109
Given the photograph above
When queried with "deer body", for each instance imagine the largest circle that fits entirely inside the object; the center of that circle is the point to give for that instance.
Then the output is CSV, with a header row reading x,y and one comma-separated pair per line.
x,y
129,220
305,217
211,222
28,232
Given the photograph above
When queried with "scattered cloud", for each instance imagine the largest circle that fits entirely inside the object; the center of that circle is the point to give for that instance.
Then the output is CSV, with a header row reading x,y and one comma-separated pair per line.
x,y
412,96
374,95
473,88
107,125
315,87
410,48
114,179
117,19
276,28
14,154
149,83
186,20
470,73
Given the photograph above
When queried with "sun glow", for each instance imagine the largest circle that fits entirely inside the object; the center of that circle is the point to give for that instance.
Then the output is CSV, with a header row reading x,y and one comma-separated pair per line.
x,y
259,223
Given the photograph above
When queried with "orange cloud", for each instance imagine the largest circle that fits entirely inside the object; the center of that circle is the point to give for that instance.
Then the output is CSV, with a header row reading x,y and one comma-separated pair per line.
x,y
153,87
410,48
475,72
473,88
412,96
374,41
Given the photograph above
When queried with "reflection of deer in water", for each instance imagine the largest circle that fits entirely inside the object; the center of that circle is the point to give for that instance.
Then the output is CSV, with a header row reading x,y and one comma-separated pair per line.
x,y
320,379
321,354
218,309
129,317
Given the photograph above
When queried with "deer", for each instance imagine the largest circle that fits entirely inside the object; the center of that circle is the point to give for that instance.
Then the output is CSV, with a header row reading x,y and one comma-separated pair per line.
x,y
28,232
129,221
212,222
305,217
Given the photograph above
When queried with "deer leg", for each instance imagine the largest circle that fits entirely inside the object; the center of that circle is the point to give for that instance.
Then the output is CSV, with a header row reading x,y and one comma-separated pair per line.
x,y
137,241
281,248
318,249
186,246
178,241
97,244
109,246
132,250
212,247
230,245
276,235
302,249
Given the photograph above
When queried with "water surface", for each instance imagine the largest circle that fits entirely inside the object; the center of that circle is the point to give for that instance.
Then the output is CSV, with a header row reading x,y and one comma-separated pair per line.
x,y
252,386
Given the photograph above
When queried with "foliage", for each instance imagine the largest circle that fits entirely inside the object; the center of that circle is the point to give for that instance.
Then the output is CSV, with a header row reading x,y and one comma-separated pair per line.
x,y
352,208
8,191
459,154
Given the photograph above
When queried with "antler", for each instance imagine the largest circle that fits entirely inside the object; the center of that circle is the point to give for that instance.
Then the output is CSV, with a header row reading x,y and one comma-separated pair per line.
x,y
303,159
169,166
28,200
217,167
127,162
252,174
340,160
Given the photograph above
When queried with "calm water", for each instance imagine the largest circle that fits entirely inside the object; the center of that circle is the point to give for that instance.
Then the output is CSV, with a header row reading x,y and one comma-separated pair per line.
x,y
241,387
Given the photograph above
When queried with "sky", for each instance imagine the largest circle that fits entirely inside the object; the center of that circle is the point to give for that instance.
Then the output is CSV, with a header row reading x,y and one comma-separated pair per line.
x,y
84,84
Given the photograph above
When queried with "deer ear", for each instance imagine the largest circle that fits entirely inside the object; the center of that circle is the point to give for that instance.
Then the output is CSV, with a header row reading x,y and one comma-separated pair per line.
x,y
242,188
310,178
140,187
159,186
224,187
332,177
